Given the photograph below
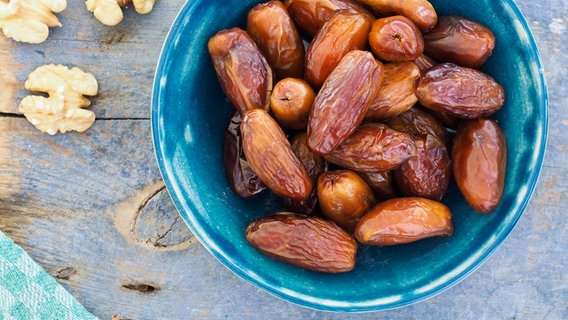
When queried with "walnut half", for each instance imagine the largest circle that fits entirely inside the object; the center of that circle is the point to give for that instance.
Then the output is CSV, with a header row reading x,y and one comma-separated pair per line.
x,y
63,109
29,20
109,12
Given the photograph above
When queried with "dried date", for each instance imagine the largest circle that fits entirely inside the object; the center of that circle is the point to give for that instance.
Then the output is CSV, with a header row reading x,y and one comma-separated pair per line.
x,y
271,27
459,40
242,179
342,32
461,92
242,70
404,220
373,147
270,155
307,242
396,39
421,12
479,163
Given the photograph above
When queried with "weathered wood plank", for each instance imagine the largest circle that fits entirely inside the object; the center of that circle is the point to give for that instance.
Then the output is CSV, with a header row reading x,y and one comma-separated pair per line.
x,y
91,208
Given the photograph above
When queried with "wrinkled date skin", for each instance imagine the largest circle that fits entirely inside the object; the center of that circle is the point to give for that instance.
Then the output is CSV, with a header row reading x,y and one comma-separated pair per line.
x,y
344,197
461,92
342,32
397,91
275,34
396,39
424,63
291,103
459,40
421,12
241,68
307,242
270,155
315,165
242,179
310,15
373,147
404,220
479,159
343,101
382,184
428,173
416,122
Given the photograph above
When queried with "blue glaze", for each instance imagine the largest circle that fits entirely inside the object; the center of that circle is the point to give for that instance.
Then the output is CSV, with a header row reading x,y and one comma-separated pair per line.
x,y
190,111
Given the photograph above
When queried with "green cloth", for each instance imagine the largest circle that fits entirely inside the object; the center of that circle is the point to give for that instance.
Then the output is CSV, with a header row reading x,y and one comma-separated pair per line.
x,y
28,292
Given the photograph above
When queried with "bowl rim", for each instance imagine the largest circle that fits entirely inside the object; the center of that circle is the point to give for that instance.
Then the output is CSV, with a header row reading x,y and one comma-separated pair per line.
x,y
298,298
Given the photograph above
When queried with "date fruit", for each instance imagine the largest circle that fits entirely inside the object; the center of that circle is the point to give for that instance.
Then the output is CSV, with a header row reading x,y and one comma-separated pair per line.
x,y
373,147
242,70
342,32
459,40
382,184
315,165
344,197
242,179
343,101
421,12
271,27
291,102
396,39
479,159
428,173
461,92
424,63
270,155
404,220
307,242
419,123
310,15
397,91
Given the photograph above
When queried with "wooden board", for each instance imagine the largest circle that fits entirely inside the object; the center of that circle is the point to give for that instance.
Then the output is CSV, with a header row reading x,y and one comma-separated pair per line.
x,y
93,211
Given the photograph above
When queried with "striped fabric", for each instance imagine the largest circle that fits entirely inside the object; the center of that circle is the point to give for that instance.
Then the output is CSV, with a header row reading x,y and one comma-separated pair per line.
x,y
28,292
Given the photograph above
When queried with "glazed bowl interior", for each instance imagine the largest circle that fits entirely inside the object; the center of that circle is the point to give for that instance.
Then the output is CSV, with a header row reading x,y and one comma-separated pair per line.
x,y
189,114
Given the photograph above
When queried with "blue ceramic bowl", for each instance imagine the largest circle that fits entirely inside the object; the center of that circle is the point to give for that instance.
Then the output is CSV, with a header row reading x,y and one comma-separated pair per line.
x,y
189,114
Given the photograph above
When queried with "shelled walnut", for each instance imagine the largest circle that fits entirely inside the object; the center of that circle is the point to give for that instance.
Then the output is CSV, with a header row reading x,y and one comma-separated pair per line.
x,y
63,109
109,12
29,20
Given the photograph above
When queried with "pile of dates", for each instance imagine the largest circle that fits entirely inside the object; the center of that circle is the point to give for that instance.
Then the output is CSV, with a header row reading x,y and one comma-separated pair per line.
x,y
360,130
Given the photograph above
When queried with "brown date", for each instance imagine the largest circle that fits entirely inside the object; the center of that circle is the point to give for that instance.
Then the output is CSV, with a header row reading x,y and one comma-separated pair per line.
x,y
419,123
342,32
343,101
424,63
373,147
271,27
307,242
242,179
428,173
315,165
344,197
382,184
404,220
291,102
396,39
461,92
243,72
270,155
310,15
459,40
479,158
397,91
421,12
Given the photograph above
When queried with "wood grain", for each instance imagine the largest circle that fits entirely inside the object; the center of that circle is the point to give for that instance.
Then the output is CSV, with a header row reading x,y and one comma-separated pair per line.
x,y
92,210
